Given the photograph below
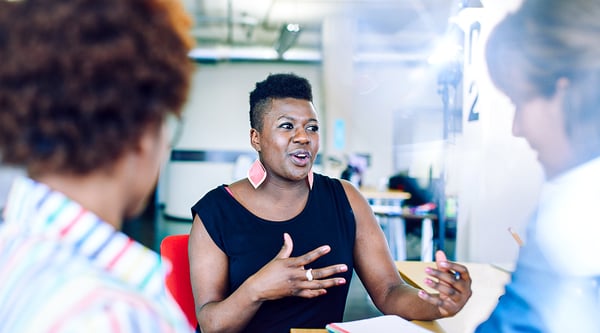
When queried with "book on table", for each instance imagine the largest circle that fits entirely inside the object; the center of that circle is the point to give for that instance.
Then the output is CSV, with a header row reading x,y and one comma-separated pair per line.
x,y
388,323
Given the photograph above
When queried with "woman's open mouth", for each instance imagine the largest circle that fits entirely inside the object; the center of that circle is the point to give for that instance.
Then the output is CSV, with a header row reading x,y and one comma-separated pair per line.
x,y
300,158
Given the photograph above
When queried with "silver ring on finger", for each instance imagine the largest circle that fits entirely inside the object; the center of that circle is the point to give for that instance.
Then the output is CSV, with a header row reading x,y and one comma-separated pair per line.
x,y
457,276
309,275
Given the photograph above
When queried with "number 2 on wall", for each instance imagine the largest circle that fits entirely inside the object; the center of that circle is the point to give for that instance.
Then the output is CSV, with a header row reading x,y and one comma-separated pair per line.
x,y
473,91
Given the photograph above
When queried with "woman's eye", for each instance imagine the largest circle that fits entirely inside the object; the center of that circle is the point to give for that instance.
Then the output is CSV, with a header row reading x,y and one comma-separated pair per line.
x,y
313,128
286,126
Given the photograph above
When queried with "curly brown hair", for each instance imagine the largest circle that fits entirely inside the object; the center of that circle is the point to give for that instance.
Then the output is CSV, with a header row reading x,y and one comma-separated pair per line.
x,y
81,80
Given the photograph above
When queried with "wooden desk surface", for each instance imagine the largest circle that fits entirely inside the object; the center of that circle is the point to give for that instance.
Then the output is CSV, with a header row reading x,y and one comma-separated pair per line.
x,y
390,194
487,285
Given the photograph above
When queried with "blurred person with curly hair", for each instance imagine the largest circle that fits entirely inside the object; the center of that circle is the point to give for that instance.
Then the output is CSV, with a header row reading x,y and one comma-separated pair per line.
x,y
86,90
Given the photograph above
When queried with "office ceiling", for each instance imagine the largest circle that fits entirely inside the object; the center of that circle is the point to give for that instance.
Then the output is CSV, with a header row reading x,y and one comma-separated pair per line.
x,y
407,27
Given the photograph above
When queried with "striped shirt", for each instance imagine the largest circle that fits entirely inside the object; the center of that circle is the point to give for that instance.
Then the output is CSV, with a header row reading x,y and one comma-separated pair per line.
x,y
63,269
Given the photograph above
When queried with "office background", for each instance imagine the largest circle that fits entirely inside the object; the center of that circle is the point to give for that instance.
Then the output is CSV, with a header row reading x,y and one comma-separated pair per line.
x,y
386,103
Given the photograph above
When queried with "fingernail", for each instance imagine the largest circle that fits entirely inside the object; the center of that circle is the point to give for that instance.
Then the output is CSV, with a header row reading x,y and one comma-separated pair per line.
x,y
422,294
428,282
341,281
445,264
343,268
428,270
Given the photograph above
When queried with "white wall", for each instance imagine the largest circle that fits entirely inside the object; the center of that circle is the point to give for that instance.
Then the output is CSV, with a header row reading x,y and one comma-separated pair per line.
x,y
397,118
216,114
498,175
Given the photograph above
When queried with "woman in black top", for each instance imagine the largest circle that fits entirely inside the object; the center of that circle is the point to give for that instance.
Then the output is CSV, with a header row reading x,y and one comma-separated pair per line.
x,y
244,280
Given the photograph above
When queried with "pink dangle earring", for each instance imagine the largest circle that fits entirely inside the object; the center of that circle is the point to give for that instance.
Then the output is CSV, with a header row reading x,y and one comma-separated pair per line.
x,y
257,174
310,178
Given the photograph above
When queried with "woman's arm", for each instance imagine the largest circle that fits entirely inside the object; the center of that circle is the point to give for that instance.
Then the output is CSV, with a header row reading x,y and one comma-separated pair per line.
x,y
377,271
281,277
209,274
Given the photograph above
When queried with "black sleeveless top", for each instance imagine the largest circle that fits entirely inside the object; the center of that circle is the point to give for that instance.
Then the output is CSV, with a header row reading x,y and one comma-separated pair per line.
x,y
251,242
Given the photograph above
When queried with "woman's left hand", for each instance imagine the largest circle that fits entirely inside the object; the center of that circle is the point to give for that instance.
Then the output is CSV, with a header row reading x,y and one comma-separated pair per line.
x,y
453,282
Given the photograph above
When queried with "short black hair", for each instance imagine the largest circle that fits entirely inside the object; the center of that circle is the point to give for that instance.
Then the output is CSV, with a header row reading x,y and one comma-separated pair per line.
x,y
276,86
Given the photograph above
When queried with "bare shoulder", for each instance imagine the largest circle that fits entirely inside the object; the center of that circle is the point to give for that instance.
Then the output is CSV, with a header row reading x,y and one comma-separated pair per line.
x,y
238,184
239,188
358,202
352,192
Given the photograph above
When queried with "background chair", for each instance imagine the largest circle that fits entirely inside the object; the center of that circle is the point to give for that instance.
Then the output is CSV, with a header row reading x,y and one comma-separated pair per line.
x,y
175,248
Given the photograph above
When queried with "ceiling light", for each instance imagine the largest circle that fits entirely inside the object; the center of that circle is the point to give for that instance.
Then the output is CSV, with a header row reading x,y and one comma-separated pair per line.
x,y
287,38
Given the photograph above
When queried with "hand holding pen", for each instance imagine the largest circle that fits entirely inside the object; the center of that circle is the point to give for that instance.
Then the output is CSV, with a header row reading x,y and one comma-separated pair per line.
x,y
453,283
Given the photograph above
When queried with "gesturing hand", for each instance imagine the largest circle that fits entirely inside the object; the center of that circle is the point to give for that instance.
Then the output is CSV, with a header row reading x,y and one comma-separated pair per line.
x,y
453,283
285,276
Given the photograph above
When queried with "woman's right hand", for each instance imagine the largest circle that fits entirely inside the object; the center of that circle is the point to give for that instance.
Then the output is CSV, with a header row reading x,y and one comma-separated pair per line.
x,y
285,276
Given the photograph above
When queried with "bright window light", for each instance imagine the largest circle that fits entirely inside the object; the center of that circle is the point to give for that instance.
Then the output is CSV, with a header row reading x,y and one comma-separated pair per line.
x,y
446,52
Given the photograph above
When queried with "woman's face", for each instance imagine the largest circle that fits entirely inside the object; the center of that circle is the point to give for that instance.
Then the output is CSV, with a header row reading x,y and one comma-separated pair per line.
x,y
289,140
540,121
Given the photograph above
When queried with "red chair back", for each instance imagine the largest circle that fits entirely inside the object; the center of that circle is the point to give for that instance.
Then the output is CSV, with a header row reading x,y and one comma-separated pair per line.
x,y
175,248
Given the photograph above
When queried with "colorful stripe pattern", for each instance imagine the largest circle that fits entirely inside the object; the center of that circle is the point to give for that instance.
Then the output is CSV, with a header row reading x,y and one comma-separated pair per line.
x,y
65,270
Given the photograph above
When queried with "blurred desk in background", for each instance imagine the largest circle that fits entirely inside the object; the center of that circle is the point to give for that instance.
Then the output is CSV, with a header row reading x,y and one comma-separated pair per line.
x,y
388,209
390,197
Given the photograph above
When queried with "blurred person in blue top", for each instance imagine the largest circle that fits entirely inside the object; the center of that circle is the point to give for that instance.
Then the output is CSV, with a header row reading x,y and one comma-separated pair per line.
x,y
276,250
87,89
545,57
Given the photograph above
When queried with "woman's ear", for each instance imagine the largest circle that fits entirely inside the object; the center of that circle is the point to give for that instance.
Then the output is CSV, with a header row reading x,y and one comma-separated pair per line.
x,y
561,93
255,139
